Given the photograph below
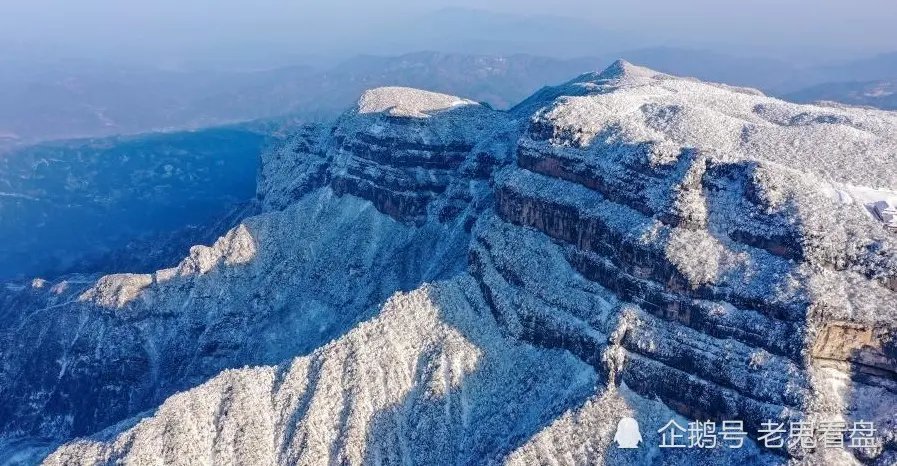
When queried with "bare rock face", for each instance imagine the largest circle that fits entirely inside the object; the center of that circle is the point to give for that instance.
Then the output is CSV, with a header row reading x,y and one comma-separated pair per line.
x,y
83,352
629,242
733,277
413,154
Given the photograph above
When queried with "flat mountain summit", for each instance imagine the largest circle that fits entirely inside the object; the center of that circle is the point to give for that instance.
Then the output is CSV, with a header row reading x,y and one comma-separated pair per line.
x,y
430,281
403,101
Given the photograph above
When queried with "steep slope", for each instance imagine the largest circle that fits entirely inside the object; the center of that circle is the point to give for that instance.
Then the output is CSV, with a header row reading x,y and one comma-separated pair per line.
x,y
748,291
80,354
430,380
626,243
442,375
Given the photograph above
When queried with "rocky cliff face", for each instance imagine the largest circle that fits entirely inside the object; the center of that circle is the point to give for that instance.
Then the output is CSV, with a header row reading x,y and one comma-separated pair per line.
x,y
80,354
628,242
415,155
735,284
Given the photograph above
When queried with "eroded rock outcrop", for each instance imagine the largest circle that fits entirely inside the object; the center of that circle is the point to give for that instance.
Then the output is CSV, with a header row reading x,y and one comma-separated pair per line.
x,y
733,278
82,353
413,154
629,242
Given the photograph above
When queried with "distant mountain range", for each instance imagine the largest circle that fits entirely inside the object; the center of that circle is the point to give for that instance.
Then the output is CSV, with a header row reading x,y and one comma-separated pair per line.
x,y
879,94
78,99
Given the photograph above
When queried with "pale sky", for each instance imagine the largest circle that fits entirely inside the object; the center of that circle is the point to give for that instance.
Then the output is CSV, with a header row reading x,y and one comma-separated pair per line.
x,y
193,27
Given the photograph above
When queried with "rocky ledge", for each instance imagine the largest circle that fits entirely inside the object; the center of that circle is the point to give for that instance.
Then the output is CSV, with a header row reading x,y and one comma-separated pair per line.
x,y
730,284
628,242
413,154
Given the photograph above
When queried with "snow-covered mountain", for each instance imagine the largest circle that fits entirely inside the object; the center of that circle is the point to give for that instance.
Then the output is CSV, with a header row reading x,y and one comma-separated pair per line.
x,y
430,281
88,100
77,99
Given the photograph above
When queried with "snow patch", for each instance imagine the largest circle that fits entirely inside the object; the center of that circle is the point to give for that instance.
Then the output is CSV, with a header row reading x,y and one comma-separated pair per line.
x,y
404,101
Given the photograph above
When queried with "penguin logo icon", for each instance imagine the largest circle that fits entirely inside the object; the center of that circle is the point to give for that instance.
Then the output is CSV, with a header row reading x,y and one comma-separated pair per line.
x,y
628,434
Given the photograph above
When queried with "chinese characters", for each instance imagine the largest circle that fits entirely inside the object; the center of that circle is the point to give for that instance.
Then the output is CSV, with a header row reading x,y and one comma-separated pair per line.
x,y
803,434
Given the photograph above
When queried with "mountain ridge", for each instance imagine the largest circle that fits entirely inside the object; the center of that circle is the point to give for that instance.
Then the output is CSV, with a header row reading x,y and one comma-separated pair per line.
x,y
79,99
668,246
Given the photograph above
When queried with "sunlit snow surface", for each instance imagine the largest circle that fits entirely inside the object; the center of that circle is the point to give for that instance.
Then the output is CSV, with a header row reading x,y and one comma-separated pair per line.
x,y
339,372
844,144
403,101
430,380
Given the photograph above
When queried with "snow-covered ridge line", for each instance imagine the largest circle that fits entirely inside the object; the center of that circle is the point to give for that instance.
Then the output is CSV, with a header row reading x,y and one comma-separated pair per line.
x,y
404,101
629,236
703,206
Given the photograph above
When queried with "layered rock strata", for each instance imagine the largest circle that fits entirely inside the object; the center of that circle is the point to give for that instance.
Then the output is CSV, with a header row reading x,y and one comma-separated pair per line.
x,y
629,242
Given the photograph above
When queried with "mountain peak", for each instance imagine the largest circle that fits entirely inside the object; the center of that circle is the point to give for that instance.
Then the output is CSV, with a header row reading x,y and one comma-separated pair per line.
x,y
623,69
627,242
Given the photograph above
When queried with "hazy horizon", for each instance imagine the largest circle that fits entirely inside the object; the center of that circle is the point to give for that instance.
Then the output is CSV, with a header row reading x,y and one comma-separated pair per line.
x,y
99,67
279,32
